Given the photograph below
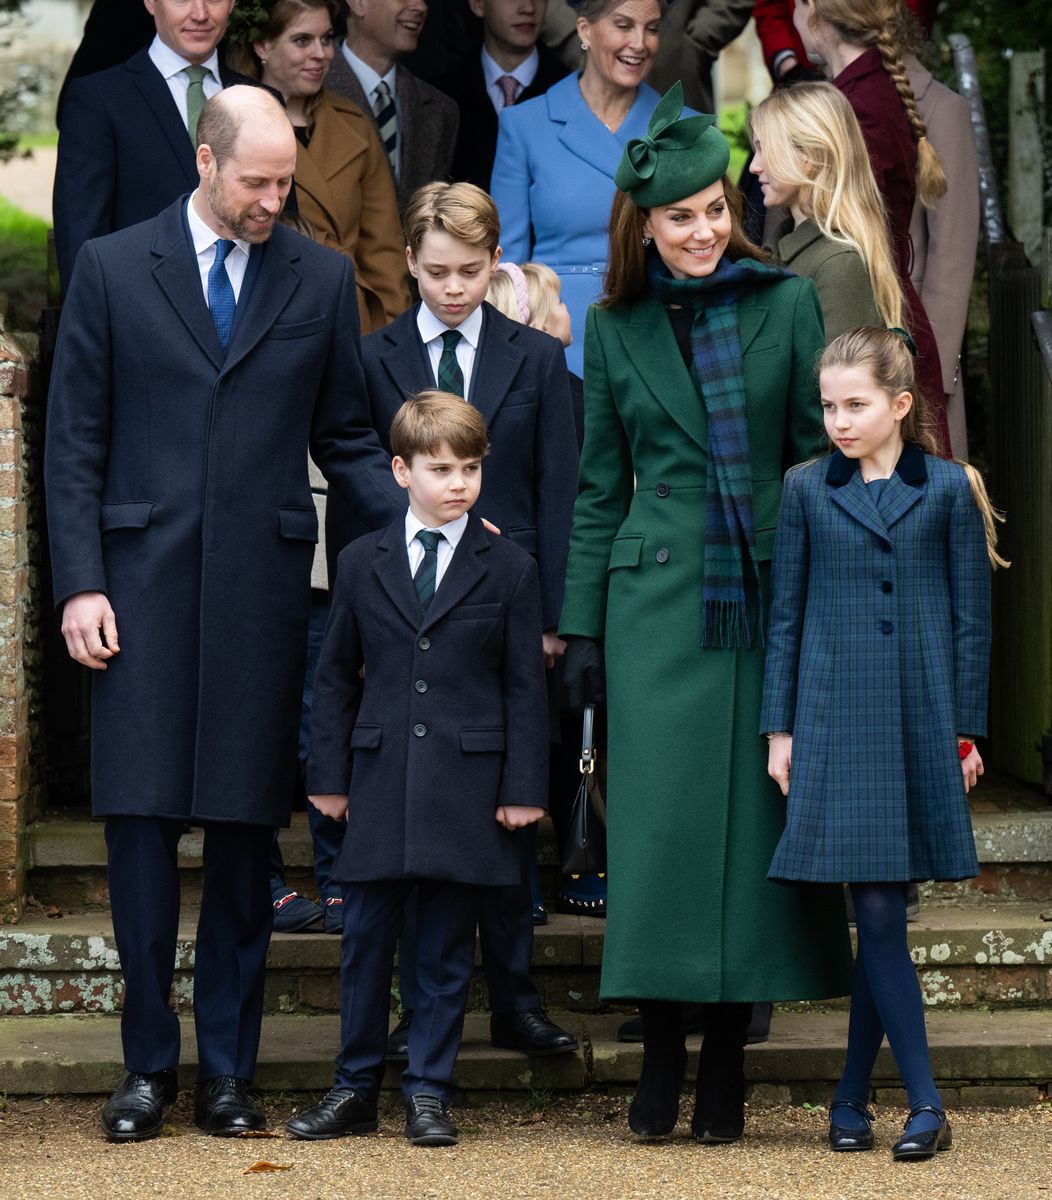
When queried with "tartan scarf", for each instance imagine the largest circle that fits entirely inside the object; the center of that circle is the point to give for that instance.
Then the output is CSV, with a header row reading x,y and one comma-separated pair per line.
x,y
731,605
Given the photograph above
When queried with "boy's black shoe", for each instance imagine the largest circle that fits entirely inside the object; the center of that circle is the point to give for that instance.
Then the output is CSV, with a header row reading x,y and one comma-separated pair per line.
x,y
339,1112
398,1038
135,1111
428,1123
531,1031
223,1107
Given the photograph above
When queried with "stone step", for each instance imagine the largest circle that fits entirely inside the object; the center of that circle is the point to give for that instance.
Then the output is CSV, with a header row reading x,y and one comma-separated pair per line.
x,y
979,1058
967,954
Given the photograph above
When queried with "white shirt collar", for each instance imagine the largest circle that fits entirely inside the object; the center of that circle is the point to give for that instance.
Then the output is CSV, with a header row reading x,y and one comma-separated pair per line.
x,y
204,236
452,532
165,59
525,72
367,77
430,327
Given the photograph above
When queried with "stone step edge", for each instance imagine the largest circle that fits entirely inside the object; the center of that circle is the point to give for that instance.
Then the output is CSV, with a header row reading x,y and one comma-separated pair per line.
x,y
970,1052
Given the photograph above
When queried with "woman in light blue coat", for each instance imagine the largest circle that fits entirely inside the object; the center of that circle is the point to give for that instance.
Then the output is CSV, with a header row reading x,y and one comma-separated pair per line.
x,y
553,177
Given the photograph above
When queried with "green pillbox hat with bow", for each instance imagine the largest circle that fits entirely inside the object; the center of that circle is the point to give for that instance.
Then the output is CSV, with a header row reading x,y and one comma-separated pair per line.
x,y
676,158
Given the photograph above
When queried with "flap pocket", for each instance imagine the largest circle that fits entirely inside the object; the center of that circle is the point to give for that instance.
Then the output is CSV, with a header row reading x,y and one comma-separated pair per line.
x,y
366,737
475,612
520,398
626,552
297,329
135,514
474,741
299,523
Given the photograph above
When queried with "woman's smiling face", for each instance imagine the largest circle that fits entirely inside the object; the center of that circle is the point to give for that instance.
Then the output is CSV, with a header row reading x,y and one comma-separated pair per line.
x,y
692,234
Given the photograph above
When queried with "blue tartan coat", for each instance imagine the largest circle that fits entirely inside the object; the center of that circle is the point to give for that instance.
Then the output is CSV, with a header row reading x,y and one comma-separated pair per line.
x,y
877,658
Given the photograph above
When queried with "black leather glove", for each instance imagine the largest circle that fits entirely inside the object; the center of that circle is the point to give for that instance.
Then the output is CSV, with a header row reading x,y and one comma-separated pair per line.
x,y
801,73
584,675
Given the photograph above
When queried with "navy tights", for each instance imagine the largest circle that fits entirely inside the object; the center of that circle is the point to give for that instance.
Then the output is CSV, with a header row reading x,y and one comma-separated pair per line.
x,y
885,998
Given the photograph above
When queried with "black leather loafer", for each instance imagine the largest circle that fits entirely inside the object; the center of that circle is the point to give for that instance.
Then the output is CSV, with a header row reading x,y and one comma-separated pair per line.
x,y
340,1112
912,1147
532,1032
428,1123
398,1038
841,1138
294,913
135,1111
223,1108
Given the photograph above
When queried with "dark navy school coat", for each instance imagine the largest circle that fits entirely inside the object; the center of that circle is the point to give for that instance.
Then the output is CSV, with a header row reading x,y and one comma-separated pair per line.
x,y
877,658
451,719
520,385
177,484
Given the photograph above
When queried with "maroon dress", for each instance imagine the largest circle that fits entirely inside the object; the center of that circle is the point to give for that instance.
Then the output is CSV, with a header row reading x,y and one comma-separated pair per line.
x,y
893,156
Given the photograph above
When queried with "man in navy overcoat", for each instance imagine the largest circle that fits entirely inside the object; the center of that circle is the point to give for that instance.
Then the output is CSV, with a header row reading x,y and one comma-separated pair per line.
x,y
187,388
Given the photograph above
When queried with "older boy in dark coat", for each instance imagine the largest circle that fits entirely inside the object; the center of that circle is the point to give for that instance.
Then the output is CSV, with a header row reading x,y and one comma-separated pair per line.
x,y
441,744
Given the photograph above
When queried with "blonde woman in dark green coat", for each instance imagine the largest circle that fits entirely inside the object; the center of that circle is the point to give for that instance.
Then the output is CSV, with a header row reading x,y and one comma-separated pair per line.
x,y
699,393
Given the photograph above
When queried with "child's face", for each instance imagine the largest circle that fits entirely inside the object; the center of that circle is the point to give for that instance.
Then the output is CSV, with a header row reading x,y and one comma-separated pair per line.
x,y
861,418
441,486
559,324
452,275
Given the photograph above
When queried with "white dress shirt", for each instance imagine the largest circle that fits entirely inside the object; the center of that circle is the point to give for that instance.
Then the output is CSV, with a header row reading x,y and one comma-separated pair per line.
x,y
431,330
451,535
524,74
172,65
368,78
204,239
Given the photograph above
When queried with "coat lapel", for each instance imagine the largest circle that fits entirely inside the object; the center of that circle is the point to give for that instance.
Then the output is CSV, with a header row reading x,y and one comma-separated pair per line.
x,y
465,569
392,569
900,493
856,500
585,136
177,274
497,363
158,100
406,360
277,280
906,485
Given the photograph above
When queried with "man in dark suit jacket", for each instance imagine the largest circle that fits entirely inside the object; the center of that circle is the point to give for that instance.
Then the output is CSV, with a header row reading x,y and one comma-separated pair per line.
x,y
508,67
416,122
200,354
125,150
443,749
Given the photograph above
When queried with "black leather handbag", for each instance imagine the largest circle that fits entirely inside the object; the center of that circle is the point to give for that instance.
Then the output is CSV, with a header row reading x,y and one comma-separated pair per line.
x,y
585,850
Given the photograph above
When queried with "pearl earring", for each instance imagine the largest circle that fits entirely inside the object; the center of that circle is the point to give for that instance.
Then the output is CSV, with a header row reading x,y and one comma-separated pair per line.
x,y
262,62
647,240
584,45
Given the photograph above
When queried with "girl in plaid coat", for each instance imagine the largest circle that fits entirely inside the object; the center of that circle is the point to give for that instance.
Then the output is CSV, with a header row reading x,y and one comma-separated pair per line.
x,y
874,691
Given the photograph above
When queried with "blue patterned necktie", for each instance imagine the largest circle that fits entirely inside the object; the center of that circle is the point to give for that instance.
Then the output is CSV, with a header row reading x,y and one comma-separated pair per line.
x,y
427,572
221,301
386,122
450,376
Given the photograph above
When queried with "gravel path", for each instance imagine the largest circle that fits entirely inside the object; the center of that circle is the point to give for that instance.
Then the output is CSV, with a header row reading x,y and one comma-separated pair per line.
x,y
575,1148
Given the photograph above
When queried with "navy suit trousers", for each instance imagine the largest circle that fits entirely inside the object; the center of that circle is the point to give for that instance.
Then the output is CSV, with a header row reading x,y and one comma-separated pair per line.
x,y
232,938
445,955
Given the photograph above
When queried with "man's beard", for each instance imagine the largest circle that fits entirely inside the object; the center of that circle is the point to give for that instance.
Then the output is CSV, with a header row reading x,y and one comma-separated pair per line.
x,y
238,223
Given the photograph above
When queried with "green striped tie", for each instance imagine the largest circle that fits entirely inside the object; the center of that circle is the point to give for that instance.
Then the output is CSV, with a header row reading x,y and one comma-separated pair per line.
x,y
427,572
450,376
195,98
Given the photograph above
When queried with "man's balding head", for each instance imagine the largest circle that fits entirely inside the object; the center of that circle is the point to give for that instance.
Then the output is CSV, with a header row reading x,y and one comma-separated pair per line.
x,y
228,111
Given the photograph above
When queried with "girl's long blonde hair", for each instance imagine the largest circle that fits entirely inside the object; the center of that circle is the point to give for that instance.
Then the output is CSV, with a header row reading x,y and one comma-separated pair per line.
x,y
810,139
886,357
886,26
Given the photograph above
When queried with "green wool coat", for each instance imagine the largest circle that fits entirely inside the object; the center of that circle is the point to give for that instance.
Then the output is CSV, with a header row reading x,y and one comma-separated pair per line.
x,y
693,819
839,273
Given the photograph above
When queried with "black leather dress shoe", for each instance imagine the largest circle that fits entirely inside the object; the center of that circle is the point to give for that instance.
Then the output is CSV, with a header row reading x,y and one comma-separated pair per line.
x,y
339,1112
398,1038
428,1123
135,1111
914,1146
531,1031
844,1138
223,1107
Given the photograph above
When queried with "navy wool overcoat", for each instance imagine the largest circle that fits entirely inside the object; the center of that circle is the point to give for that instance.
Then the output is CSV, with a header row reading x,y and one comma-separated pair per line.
x,y
877,658
177,484
450,720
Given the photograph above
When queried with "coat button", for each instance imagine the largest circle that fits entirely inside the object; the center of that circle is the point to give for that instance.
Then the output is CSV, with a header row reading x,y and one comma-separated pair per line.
x,y
424,643
886,586
662,555
421,685
886,627
662,490
420,730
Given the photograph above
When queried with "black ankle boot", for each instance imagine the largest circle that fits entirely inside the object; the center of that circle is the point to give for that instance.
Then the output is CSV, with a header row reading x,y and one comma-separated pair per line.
x,y
719,1105
654,1110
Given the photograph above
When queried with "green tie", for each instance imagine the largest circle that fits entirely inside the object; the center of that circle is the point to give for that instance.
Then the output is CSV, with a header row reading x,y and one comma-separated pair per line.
x,y
195,98
427,572
450,376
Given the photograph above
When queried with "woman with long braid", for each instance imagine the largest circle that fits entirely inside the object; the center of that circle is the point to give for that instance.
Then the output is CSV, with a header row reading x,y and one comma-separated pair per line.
x,y
860,46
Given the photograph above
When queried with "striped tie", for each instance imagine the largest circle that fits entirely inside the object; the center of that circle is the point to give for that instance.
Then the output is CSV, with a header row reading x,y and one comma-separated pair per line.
x,y
221,300
195,98
427,572
386,122
450,376
509,87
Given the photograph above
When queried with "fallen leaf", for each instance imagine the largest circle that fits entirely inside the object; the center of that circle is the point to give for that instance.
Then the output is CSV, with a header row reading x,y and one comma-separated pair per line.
x,y
259,1133
266,1166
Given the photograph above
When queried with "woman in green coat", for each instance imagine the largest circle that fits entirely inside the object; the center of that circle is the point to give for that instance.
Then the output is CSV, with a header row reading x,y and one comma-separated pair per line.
x,y
699,393
810,158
